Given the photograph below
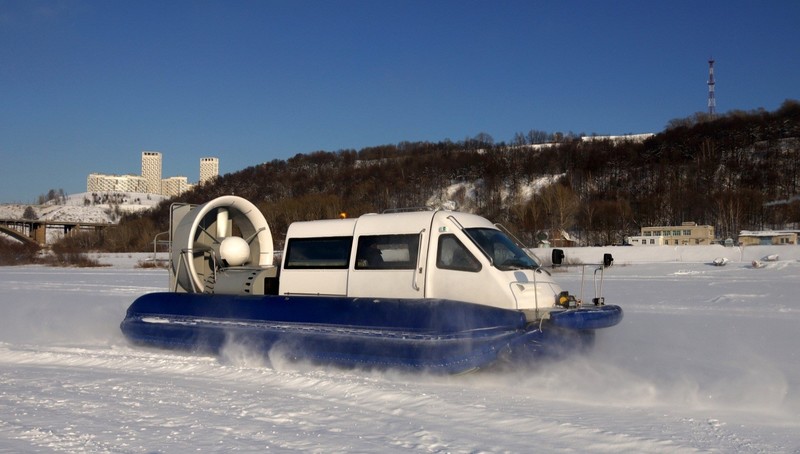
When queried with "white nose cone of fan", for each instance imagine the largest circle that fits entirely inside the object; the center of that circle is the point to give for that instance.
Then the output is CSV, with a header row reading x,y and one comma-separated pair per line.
x,y
234,251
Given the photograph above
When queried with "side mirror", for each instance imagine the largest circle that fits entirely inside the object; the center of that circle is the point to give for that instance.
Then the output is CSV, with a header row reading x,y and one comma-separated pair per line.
x,y
607,260
557,257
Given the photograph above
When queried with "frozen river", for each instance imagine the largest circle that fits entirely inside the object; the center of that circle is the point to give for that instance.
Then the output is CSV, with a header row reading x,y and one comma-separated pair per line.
x,y
706,359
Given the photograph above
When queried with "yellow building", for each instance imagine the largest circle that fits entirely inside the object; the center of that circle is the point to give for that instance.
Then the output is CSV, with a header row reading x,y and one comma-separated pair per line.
x,y
747,238
686,234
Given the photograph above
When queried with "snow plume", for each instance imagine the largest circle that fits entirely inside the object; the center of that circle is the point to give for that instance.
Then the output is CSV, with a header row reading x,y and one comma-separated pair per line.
x,y
62,306
596,380
686,368
240,354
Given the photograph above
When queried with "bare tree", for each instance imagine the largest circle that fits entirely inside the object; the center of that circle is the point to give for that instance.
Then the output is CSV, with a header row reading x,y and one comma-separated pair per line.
x,y
562,205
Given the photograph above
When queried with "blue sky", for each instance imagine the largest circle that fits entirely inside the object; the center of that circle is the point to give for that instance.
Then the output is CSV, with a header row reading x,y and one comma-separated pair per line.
x,y
86,86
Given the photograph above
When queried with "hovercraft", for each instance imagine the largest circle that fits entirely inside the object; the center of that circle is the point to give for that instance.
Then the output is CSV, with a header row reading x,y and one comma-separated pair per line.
x,y
433,290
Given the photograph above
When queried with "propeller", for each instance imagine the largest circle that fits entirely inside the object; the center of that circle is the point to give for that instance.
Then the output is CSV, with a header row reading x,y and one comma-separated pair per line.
x,y
203,240
222,223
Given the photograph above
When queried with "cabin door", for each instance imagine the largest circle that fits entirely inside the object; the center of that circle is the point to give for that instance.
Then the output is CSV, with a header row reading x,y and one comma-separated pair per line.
x,y
389,265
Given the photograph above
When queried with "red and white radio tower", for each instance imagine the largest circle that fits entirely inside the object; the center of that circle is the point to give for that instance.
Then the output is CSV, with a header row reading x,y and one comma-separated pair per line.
x,y
712,102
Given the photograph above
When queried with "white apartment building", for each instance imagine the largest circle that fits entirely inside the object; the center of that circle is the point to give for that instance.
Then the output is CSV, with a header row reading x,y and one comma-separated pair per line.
x,y
209,169
151,171
174,186
98,182
150,181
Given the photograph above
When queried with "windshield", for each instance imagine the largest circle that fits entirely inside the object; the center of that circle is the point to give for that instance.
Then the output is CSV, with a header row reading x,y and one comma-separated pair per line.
x,y
502,252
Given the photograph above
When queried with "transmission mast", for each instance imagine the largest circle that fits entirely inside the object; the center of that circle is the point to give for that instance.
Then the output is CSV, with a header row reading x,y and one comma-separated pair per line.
x,y
712,102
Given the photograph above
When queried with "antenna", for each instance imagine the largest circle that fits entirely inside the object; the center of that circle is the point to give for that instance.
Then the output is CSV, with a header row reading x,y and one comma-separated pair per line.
x,y
712,102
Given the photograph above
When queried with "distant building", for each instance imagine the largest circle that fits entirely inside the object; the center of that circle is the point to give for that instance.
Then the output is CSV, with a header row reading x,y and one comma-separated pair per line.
x,y
645,240
209,169
766,238
98,182
174,186
151,171
686,234
150,181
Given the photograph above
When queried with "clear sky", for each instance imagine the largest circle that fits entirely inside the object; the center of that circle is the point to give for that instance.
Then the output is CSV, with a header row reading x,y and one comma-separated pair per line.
x,y
86,86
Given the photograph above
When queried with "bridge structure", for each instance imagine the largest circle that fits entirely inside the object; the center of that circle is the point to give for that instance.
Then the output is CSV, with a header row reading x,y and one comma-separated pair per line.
x,y
35,231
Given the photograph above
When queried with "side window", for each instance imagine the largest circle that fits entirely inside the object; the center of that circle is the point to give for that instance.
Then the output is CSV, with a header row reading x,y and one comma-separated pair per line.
x,y
318,253
387,252
452,255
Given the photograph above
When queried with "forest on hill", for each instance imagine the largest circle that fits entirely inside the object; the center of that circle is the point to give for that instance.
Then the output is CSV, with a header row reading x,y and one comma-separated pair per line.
x,y
738,171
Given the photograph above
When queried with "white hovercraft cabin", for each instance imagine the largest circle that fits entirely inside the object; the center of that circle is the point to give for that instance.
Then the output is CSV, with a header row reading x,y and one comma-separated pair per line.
x,y
421,254
412,254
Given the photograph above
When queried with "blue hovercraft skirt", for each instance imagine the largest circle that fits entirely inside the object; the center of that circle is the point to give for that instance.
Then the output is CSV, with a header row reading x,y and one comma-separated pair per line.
x,y
433,335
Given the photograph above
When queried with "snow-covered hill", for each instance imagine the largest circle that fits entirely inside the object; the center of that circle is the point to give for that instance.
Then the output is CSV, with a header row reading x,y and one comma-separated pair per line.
x,y
86,207
462,196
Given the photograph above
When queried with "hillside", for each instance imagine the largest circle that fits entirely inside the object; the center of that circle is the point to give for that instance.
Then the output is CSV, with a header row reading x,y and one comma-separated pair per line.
x,y
85,207
737,172
740,171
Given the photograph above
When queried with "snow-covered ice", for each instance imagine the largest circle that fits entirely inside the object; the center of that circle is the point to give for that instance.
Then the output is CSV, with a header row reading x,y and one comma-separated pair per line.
x,y
706,360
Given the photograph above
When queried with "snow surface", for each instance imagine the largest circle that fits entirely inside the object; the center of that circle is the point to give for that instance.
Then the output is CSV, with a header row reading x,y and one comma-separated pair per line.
x,y
706,360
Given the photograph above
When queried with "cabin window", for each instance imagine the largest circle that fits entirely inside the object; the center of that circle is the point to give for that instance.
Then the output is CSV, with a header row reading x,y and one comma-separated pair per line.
x,y
318,253
452,255
387,252
503,253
